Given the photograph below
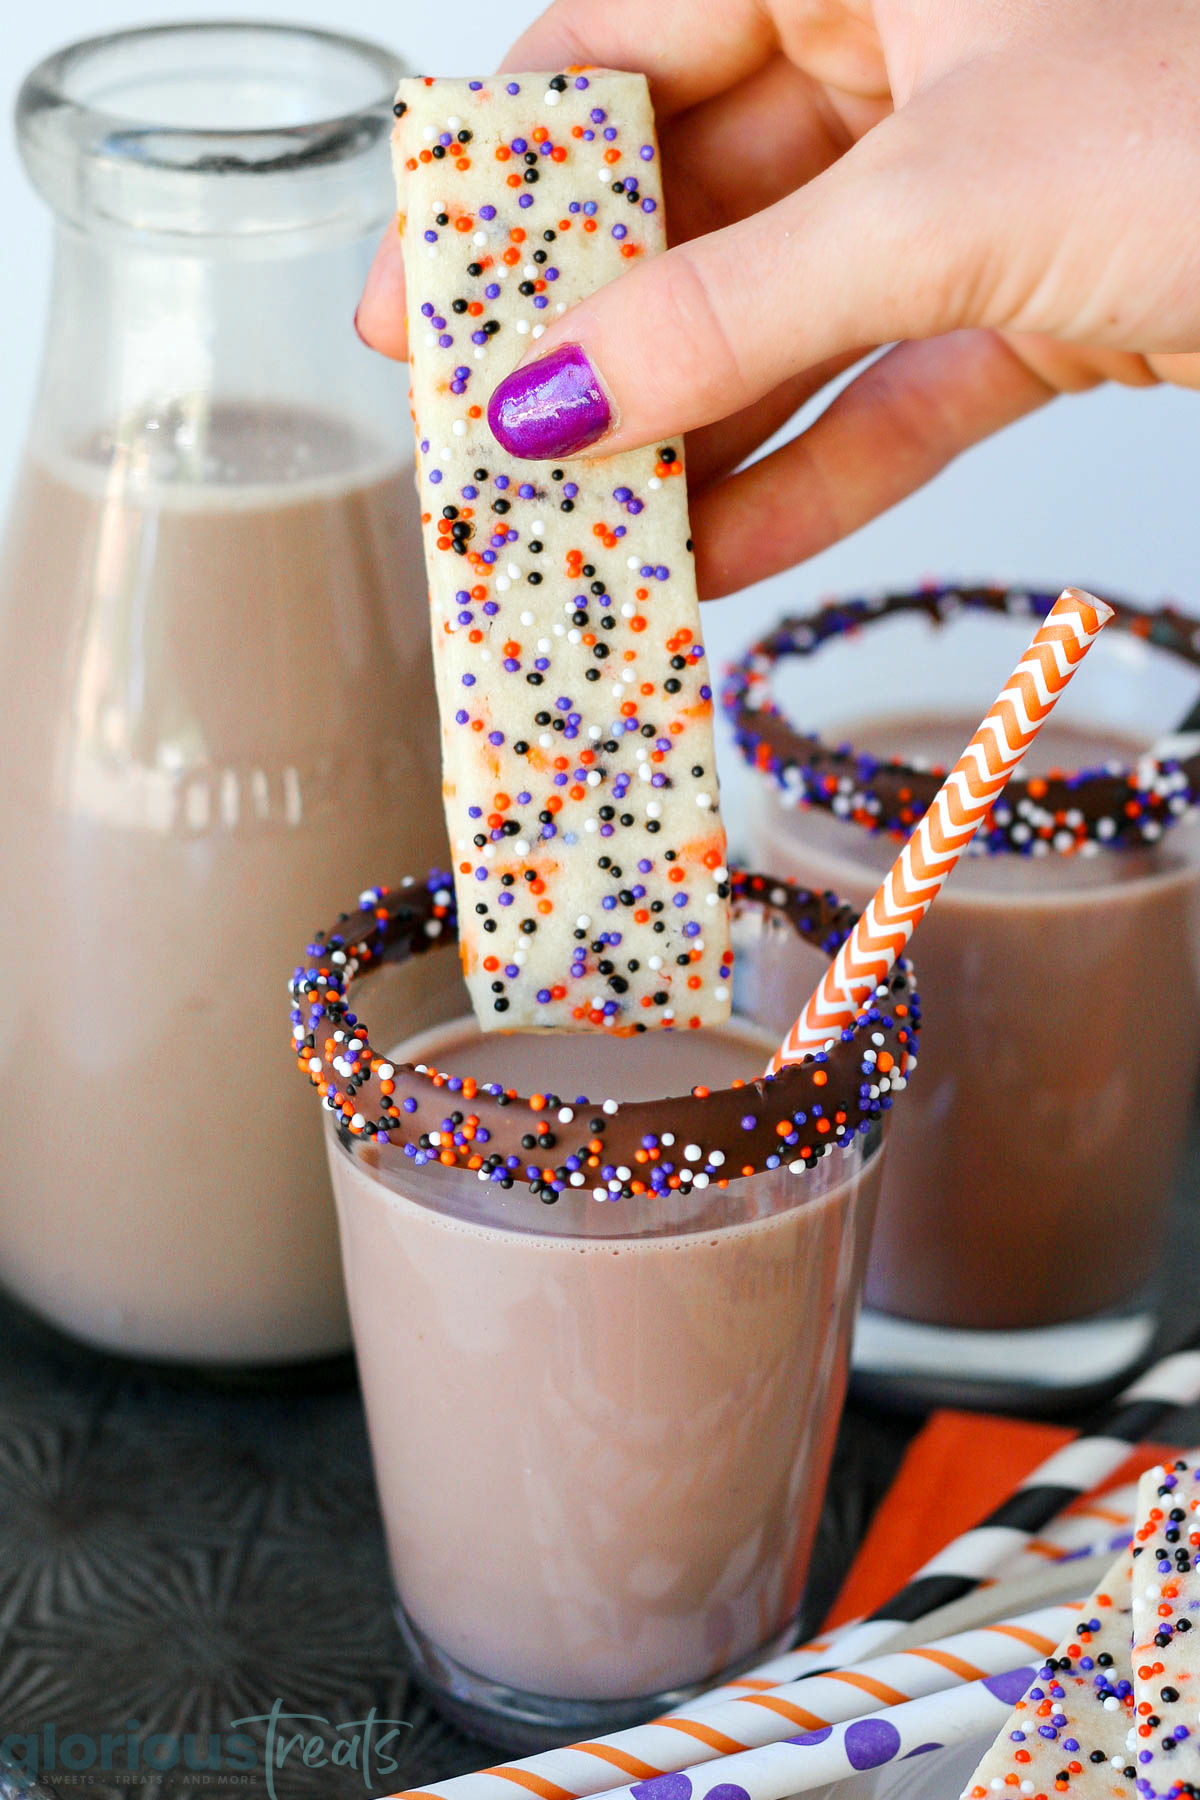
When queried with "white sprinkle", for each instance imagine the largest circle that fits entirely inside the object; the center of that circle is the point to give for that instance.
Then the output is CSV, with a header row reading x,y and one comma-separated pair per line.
x,y
561,307
566,1114
632,562
610,1106
654,962
716,1158
654,809
503,583
551,97
459,428
704,801
667,1138
386,1071
538,331
522,327
479,238
526,618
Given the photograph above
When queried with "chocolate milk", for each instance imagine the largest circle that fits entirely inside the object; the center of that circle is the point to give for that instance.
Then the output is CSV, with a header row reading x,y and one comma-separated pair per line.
x,y
1031,1164
221,728
600,1460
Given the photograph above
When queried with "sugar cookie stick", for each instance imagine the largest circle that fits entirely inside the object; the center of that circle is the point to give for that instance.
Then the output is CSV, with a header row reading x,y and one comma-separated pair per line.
x,y
1068,1735
1165,1740
576,706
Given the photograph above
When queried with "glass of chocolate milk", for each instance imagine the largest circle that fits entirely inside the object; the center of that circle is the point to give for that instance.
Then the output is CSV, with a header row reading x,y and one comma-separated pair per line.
x,y
603,1341
1023,1216
217,676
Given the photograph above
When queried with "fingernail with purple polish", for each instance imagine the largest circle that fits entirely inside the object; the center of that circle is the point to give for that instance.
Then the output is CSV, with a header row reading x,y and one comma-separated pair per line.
x,y
552,407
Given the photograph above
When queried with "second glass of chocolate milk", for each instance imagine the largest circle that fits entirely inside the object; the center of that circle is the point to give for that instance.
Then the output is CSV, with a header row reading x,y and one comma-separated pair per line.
x,y
1023,1217
218,694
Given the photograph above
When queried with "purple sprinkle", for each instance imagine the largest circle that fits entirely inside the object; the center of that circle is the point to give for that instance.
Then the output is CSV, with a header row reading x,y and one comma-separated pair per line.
x,y
426,309
487,212
431,238
492,290
581,82
513,87
435,476
525,200
520,146
647,152
649,206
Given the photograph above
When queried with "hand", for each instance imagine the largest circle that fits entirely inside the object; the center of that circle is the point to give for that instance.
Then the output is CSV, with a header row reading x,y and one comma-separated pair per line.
x,y
1009,193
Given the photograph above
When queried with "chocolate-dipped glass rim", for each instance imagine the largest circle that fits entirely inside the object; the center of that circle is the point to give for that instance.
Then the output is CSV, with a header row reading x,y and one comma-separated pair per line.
x,y
410,1112
1113,806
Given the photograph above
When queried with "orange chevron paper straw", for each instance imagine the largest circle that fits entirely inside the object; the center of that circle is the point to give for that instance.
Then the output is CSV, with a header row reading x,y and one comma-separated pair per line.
x,y
959,807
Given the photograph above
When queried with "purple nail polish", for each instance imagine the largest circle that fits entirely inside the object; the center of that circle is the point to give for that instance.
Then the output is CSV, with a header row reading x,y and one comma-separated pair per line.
x,y
552,407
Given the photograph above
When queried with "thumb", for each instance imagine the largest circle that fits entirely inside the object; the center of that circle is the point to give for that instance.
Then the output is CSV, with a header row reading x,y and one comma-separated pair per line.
x,y
872,249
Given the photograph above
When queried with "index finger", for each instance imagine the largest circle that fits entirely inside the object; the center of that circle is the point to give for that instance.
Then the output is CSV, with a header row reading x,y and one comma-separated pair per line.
x,y
696,49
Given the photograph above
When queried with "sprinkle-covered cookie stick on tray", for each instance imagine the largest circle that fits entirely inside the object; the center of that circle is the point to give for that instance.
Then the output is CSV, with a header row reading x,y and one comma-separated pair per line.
x,y
576,703
1165,1739
1067,1735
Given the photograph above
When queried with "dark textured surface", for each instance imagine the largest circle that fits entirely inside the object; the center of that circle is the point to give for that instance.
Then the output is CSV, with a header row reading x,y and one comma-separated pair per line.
x,y
183,1555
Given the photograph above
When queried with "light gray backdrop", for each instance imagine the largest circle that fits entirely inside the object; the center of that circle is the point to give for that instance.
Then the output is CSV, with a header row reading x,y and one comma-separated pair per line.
x,y
1097,490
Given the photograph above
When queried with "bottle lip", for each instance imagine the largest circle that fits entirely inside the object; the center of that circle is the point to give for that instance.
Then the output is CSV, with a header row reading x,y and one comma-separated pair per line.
x,y
176,129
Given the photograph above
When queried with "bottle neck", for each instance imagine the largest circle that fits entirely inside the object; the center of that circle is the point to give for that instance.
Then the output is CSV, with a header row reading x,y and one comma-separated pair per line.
x,y
146,346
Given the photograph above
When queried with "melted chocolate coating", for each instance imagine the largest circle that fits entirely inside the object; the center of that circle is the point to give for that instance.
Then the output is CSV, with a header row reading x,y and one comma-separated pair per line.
x,y
617,1150
1062,810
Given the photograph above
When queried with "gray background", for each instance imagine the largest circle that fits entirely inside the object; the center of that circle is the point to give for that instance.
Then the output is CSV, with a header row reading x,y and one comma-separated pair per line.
x,y
1098,490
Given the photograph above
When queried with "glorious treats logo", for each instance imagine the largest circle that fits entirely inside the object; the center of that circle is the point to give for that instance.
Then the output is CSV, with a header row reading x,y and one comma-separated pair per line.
x,y
249,1751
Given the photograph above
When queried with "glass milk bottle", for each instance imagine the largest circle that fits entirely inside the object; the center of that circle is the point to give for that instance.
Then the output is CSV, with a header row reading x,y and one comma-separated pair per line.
x,y
219,712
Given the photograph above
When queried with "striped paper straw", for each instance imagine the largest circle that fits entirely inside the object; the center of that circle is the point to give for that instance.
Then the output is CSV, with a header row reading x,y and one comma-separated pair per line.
x,y
813,1759
751,1721
959,807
